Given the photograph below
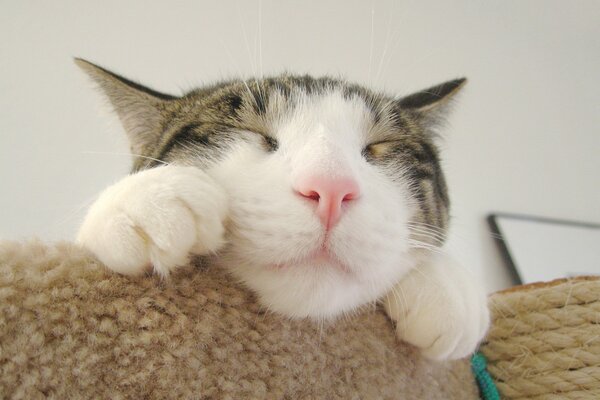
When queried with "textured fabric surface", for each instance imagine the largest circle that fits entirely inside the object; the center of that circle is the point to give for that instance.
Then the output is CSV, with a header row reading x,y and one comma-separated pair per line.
x,y
71,329
544,342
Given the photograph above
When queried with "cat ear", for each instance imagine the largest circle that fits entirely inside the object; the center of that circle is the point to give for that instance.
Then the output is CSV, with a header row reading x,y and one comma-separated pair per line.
x,y
139,108
432,103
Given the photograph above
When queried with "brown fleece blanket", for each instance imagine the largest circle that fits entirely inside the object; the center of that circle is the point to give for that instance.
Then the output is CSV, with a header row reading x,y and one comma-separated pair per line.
x,y
69,328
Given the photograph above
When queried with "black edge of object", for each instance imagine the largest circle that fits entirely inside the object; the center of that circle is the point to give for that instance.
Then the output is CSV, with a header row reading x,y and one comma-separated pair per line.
x,y
501,243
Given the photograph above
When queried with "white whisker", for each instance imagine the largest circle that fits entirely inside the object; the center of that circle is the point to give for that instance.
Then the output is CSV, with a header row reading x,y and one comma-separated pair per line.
x,y
252,59
239,71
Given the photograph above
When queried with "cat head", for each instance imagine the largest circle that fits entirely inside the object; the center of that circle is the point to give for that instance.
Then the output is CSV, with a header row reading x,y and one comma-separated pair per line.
x,y
333,188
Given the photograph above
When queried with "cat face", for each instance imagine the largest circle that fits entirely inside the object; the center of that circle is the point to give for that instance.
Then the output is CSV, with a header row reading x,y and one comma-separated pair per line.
x,y
330,185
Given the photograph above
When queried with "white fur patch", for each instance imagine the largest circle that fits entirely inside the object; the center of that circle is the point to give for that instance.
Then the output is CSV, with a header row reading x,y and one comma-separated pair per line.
x,y
274,230
274,238
156,217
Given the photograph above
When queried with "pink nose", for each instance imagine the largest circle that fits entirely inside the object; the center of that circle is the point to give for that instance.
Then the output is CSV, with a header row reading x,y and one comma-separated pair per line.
x,y
329,193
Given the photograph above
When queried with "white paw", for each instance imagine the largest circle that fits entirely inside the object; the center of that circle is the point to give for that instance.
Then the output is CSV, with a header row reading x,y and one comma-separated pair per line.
x,y
156,217
440,309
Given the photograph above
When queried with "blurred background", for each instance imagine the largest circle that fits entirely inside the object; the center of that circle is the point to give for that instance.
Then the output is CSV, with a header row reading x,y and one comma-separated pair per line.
x,y
523,138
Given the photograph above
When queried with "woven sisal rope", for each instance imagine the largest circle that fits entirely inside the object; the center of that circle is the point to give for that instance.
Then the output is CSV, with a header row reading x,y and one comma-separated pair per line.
x,y
544,343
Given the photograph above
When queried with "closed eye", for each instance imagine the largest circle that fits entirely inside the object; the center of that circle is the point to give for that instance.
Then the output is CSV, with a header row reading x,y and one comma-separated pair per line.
x,y
378,149
269,143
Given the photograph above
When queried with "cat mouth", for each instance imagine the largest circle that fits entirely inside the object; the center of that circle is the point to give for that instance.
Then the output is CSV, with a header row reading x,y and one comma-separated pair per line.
x,y
319,259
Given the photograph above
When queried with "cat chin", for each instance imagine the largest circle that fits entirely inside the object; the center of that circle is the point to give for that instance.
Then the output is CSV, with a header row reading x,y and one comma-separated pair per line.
x,y
317,260
321,289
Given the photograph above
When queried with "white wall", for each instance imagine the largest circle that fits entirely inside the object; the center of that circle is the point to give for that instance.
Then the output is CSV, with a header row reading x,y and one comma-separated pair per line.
x,y
524,137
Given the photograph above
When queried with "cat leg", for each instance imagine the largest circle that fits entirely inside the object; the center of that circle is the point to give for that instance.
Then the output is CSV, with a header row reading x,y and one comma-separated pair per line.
x,y
156,217
439,308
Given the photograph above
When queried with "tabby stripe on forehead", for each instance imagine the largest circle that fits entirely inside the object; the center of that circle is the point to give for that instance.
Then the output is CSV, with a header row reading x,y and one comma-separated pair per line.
x,y
187,134
234,102
258,102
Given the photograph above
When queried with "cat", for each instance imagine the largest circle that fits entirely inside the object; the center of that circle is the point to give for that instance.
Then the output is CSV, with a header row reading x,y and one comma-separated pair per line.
x,y
319,195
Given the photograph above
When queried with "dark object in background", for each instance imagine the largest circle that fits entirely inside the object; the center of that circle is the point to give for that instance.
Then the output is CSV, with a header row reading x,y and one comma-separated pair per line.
x,y
542,249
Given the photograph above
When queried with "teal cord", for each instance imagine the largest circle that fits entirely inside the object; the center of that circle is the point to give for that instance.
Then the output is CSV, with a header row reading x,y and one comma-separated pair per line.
x,y
487,388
